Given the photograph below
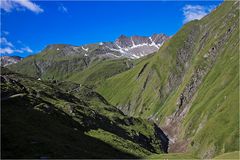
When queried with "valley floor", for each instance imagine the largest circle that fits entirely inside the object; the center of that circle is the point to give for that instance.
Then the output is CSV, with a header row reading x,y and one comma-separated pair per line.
x,y
172,156
229,155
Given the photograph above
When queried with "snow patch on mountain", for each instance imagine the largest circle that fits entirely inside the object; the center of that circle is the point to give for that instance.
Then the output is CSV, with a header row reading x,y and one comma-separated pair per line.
x,y
8,60
136,46
85,49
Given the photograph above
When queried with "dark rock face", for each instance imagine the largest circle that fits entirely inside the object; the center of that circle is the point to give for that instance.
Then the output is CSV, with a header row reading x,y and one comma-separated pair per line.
x,y
164,139
123,41
159,38
184,55
7,60
140,40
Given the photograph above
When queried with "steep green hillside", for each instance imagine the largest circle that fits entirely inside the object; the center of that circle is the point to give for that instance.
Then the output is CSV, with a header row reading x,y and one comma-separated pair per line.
x,y
98,72
42,119
190,87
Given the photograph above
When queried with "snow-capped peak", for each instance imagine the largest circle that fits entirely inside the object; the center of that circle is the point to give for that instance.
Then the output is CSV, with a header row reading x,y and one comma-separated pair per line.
x,y
137,46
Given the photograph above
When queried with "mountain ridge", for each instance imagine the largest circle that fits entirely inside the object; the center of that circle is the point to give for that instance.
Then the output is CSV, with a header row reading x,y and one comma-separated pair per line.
x,y
123,44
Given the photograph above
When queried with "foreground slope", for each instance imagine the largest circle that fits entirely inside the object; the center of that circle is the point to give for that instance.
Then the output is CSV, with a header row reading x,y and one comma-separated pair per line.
x,y
43,119
190,87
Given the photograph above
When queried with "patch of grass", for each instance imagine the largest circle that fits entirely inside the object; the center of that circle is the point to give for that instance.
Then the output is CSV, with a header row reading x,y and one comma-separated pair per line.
x,y
171,156
230,155
127,147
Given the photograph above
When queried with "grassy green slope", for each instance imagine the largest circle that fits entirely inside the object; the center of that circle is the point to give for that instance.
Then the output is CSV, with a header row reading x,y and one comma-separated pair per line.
x,y
99,71
208,120
66,120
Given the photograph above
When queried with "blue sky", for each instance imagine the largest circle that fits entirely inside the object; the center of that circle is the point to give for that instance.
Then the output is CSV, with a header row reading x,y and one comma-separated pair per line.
x,y
28,26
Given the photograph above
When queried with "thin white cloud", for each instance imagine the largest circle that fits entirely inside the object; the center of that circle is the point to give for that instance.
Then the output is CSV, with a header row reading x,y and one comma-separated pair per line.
x,y
9,5
5,33
6,50
18,41
18,50
27,49
8,47
62,8
9,50
192,12
4,41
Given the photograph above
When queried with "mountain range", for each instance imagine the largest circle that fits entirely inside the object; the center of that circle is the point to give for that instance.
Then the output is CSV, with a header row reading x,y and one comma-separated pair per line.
x,y
137,97
61,61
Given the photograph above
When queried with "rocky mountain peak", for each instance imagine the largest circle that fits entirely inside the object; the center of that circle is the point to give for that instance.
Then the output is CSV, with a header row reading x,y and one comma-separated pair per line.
x,y
123,41
136,46
159,38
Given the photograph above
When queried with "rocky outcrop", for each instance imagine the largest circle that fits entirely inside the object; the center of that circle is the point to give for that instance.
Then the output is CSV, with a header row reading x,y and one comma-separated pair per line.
x,y
8,60
163,137
141,71
184,55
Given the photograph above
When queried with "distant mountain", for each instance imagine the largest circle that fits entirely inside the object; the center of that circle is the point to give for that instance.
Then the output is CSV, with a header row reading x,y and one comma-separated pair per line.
x,y
7,60
132,47
101,60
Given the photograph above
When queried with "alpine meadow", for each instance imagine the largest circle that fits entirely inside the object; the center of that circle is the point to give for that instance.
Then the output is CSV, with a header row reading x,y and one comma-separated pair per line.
x,y
149,96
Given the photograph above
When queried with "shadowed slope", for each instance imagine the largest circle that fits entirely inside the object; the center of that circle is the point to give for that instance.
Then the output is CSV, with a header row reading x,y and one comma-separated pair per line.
x,y
60,120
